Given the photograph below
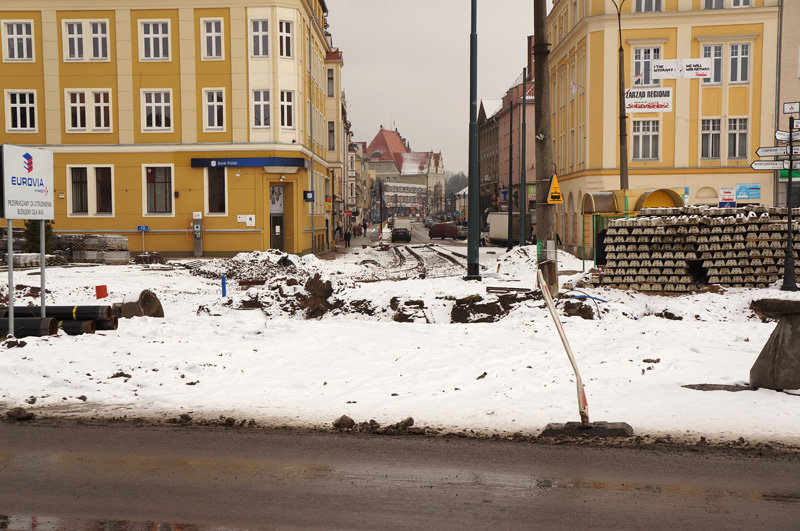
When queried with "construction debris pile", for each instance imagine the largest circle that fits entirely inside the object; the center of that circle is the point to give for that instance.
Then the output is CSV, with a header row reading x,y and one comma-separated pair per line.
x,y
94,248
683,249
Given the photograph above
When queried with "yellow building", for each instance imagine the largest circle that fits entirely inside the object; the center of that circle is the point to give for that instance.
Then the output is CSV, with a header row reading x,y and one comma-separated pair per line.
x,y
163,112
684,132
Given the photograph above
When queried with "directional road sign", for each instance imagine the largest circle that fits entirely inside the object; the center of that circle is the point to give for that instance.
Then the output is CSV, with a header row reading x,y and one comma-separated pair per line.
x,y
777,151
791,107
795,164
767,165
783,136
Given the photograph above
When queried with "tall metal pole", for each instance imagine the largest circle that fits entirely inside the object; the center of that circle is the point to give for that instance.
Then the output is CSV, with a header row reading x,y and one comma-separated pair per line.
x,y
623,128
545,213
523,181
509,239
789,280
473,267
10,259
311,135
42,257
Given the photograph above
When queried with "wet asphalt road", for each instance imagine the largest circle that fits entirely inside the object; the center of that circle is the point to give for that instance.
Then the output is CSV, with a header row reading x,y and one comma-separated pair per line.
x,y
238,478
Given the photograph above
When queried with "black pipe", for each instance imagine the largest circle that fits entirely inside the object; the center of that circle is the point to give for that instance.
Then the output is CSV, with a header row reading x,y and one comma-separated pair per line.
x,y
76,328
107,324
30,326
62,313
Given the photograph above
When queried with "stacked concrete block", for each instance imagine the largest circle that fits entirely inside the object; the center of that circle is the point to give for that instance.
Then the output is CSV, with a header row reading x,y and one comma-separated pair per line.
x,y
96,248
680,249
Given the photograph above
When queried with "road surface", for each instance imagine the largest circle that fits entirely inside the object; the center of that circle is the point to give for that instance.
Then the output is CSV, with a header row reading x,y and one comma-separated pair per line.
x,y
289,479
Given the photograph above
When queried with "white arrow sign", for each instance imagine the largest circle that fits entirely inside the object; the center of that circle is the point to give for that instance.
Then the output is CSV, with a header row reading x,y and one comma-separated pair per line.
x,y
772,151
767,165
783,136
795,164
791,107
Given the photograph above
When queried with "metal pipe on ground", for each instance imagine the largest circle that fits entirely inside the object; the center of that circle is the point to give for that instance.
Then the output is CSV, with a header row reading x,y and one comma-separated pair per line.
x,y
76,328
146,305
109,324
63,313
30,326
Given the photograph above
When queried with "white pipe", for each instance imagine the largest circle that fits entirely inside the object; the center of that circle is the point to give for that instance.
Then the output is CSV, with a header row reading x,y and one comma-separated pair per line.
x,y
583,407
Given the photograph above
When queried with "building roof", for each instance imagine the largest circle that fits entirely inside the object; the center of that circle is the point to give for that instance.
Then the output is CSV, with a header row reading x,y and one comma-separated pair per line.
x,y
415,163
389,146
490,107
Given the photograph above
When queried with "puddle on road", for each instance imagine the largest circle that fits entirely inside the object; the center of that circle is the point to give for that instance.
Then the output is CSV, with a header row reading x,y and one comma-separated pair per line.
x,y
48,523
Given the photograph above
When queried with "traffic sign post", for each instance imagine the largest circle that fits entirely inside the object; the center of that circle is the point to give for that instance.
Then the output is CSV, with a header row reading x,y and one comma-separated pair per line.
x,y
767,165
789,280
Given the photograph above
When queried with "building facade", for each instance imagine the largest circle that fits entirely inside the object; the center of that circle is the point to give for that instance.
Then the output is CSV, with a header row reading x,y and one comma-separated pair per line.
x,y
159,114
488,161
789,86
697,135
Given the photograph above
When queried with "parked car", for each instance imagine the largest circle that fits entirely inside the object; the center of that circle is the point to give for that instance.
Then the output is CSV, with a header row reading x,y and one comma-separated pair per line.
x,y
429,223
443,230
463,232
401,231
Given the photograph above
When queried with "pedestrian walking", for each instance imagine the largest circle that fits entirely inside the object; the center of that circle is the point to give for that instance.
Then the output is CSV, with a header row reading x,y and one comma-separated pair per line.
x,y
347,236
364,225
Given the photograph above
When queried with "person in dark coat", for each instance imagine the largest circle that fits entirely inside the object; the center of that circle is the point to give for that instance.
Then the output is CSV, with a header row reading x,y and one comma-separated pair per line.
x,y
347,236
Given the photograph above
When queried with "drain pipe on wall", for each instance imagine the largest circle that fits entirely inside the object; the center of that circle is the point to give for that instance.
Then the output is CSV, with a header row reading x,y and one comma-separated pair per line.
x,y
583,428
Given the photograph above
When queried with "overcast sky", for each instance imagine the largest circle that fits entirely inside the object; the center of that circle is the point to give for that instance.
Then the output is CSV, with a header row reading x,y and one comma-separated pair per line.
x,y
407,63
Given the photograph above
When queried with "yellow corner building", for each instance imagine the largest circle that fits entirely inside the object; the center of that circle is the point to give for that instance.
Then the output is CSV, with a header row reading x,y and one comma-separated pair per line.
x,y
702,141
165,114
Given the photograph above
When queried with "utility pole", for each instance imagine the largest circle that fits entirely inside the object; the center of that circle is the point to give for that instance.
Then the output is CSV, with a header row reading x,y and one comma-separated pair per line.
x,y
789,278
545,213
509,239
473,267
523,181
623,117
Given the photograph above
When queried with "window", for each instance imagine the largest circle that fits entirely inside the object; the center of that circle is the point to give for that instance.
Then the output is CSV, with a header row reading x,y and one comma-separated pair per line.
x,y
285,38
74,49
331,136
740,63
21,115
157,110
261,114
154,41
102,109
737,138
642,60
260,38
714,52
215,187
99,40
645,139
214,109
212,33
159,189
643,6
741,3
91,190
287,109
713,4
77,110
710,138
331,83
18,41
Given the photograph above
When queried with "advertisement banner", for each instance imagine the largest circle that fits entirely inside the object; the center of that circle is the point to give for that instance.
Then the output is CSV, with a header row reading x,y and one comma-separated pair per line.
x,y
27,183
681,68
531,192
648,100
748,191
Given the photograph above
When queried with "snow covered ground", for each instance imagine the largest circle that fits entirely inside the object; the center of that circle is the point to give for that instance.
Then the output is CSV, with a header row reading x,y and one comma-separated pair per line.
x,y
253,354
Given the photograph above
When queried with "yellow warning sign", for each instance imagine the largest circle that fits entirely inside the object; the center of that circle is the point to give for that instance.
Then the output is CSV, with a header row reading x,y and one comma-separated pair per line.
x,y
554,196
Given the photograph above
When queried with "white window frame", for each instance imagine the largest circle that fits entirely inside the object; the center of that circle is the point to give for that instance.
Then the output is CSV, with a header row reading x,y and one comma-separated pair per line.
x,y
143,106
740,3
290,106
740,55
719,4
709,134
640,82
90,106
262,104
717,63
740,137
331,135
17,59
640,136
205,194
69,105
159,38
33,106
286,39
102,37
74,40
147,214
208,106
262,36
91,191
218,39
641,6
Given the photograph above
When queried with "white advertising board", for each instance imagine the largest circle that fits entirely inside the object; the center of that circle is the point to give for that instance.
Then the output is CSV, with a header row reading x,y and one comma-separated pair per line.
x,y
648,100
727,193
27,183
681,68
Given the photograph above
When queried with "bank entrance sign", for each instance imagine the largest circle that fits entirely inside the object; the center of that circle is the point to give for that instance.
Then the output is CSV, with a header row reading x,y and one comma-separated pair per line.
x,y
27,191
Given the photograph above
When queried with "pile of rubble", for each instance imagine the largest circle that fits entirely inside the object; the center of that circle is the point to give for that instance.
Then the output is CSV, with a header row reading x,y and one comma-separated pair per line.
x,y
682,249
94,248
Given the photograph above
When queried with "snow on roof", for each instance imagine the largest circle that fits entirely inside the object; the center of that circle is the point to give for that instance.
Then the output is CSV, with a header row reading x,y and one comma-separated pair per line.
x,y
465,191
490,107
414,163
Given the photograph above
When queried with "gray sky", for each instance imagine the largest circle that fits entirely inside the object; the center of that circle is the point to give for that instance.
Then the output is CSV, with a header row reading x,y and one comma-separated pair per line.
x,y
407,62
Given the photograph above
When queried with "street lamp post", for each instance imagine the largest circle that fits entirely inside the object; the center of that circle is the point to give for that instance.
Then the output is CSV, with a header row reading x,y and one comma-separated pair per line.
x,y
623,128
473,267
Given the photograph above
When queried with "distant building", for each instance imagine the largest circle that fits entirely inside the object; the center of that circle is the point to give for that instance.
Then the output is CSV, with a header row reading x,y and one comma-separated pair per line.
x,y
403,199
488,159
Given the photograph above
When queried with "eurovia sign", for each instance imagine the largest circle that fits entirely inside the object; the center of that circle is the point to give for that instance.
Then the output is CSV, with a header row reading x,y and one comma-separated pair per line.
x,y
27,191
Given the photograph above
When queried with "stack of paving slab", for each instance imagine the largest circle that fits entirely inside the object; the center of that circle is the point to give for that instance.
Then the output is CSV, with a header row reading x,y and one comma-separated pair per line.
x,y
683,249
96,248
